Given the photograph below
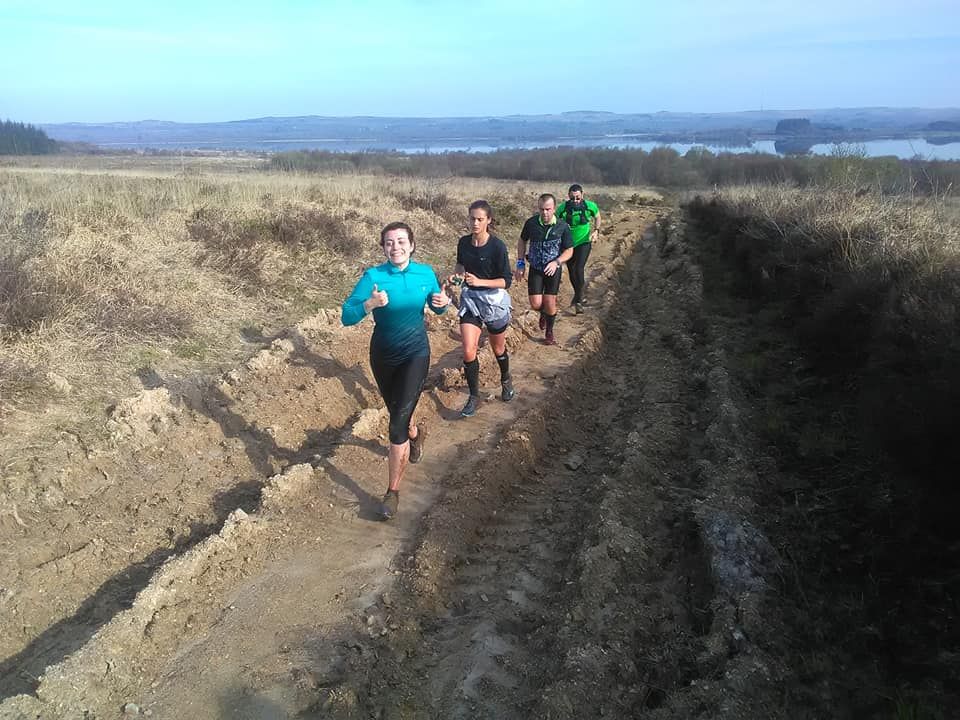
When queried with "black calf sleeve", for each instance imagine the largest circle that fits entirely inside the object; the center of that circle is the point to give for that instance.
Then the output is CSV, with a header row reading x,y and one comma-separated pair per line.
x,y
551,319
472,371
504,362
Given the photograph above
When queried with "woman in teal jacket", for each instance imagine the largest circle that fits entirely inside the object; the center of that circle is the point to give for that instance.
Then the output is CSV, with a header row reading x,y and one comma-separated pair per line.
x,y
396,292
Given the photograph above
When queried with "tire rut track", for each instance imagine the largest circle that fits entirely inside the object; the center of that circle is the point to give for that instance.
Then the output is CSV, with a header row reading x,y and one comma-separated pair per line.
x,y
636,611
503,587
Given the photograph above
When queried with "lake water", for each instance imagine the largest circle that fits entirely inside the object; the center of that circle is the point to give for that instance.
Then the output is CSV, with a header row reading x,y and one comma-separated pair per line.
x,y
905,148
901,148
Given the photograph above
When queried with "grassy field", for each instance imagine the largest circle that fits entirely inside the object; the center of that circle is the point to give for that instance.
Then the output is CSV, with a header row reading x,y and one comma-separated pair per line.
x,y
871,284
117,268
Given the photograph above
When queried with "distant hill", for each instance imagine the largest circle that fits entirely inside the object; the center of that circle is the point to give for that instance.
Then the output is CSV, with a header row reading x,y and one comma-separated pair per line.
x,y
384,132
944,126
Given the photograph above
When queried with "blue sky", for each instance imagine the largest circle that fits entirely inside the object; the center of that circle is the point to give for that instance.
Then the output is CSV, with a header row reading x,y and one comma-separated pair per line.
x,y
208,61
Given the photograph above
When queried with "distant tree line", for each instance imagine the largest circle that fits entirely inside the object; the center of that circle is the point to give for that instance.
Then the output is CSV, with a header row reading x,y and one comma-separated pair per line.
x,y
21,139
794,126
663,167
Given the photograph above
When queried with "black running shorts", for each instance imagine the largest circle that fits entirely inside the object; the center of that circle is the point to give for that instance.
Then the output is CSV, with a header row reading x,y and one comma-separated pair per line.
x,y
540,284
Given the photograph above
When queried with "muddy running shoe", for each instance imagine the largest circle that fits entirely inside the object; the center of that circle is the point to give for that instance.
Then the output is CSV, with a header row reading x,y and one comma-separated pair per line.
x,y
543,321
507,392
416,445
470,409
578,309
549,339
391,501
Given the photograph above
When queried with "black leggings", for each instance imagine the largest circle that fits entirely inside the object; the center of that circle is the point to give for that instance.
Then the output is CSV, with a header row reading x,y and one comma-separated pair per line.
x,y
577,265
400,386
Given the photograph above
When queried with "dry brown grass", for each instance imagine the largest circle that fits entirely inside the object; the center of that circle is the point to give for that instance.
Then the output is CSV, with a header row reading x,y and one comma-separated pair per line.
x,y
865,227
113,267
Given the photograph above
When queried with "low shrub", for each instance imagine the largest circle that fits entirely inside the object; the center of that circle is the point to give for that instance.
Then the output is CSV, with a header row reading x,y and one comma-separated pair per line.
x,y
243,245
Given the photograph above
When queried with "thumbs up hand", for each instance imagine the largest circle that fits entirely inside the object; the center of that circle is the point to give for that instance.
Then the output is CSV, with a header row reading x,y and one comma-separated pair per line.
x,y
378,298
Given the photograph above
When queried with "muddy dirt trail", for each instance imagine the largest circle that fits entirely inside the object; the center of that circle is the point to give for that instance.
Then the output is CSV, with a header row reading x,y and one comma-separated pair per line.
x,y
583,551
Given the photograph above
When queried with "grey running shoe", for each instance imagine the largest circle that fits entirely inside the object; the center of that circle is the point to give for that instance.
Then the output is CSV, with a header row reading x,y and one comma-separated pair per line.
x,y
416,445
470,409
578,309
391,501
507,392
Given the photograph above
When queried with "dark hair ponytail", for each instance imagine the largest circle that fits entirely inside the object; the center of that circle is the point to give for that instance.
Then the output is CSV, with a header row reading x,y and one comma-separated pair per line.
x,y
485,206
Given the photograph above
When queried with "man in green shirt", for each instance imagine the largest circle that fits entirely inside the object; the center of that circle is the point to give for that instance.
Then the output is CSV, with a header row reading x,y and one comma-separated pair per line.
x,y
583,217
